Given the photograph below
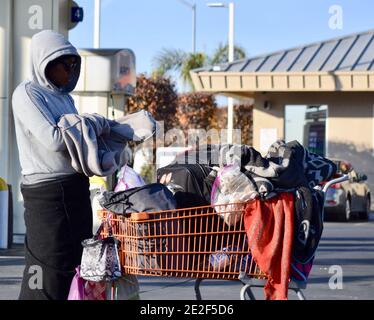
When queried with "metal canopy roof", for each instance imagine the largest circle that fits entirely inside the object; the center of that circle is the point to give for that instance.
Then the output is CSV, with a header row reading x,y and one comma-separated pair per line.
x,y
350,53
341,64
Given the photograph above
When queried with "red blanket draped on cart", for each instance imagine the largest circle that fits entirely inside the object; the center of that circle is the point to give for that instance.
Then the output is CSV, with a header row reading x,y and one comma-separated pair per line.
x,y
269,227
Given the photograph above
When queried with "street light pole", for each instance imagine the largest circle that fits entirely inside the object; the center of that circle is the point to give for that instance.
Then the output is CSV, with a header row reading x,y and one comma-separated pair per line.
x,y
97,24
230,101
231,32
194,28
193,8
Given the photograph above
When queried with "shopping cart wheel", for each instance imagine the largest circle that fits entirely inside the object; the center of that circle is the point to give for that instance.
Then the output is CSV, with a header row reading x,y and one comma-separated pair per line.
x,y
300,295
246,293
364,215
197,289
296,287
348,215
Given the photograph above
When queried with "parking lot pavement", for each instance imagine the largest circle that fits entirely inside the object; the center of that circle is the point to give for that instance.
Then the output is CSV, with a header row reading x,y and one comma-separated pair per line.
x,y
11,269
152,288
348,247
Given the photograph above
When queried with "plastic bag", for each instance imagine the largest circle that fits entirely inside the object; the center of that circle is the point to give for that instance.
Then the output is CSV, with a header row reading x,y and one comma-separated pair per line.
x,y
81,289
229,257
231,187
77,286
95,291
97,186
127,179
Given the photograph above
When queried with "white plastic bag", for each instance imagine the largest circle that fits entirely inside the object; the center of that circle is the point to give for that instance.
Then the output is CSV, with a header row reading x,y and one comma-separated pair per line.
x,y
97,186
128,179
231,187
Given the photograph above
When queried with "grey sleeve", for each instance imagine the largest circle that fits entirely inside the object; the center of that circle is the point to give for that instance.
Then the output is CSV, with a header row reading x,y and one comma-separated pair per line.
x,y
32,113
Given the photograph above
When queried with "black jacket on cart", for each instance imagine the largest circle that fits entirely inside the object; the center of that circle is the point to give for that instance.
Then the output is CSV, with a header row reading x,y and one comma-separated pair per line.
x,y
190,183
149,198
308,223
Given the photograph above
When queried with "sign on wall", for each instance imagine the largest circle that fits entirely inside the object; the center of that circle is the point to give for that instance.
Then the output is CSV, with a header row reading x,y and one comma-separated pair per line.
x,y
123,72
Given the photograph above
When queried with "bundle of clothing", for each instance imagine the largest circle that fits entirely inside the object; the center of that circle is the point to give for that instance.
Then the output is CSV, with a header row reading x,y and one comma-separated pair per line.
x,y
96,145
285,166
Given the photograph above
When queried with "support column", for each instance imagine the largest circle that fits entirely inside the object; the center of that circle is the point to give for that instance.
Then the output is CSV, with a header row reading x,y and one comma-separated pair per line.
x,y
5,80
24,19
5,84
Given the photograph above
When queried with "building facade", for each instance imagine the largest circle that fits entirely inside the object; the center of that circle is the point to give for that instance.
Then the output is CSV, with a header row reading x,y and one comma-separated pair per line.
x,y
321,94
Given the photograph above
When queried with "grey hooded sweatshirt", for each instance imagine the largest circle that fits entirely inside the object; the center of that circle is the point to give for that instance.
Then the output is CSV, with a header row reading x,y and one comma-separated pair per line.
x,y
37,107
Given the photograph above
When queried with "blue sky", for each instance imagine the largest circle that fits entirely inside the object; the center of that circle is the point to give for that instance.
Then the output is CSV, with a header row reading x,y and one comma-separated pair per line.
x,y
261,26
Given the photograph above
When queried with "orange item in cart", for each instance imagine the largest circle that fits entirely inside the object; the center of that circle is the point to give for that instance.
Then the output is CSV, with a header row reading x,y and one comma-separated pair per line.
x,y
269,226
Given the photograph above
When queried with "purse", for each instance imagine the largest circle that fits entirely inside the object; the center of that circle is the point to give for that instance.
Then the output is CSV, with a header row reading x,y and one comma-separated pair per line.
x,y
100,259
81,289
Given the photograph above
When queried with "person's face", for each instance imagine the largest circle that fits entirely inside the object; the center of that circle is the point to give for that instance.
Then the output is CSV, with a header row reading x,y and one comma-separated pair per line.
x,y
61,70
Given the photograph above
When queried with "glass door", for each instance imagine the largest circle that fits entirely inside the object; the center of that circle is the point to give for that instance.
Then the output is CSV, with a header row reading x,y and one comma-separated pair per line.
x,y
307,125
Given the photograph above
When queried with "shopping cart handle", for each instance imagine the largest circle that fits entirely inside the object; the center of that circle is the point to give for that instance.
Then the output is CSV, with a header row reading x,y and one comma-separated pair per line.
x,y
343,178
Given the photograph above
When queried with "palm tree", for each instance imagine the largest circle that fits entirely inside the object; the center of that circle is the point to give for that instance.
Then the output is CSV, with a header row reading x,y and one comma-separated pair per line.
x,y
169,60
221,54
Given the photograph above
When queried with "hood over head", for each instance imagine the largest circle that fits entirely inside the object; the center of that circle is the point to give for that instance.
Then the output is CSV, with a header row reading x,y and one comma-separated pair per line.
x,y
47,46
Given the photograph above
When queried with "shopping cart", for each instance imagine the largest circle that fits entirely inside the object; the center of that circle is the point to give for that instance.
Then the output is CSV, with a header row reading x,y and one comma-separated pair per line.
x,y
192,243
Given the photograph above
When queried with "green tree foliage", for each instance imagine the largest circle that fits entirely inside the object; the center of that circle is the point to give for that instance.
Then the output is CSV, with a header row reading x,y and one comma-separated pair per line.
x,y
221,55
168,60
175,60
193,61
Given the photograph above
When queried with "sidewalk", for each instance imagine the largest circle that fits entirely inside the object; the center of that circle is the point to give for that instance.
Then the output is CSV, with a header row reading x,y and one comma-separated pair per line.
x,y
151,288
16,250
11,268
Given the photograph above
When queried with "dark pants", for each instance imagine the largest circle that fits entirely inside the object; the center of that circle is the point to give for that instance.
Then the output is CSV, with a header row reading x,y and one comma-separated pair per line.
x,y
58,217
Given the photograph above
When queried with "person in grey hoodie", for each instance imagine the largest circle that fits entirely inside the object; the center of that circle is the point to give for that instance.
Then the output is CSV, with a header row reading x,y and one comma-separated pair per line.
x,y
58,214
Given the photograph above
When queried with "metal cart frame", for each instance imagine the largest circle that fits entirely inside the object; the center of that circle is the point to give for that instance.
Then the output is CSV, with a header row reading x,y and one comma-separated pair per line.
x,y
191,243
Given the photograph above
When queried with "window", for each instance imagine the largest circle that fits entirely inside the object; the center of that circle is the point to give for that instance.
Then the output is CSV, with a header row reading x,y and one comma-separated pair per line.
x,y
307,124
